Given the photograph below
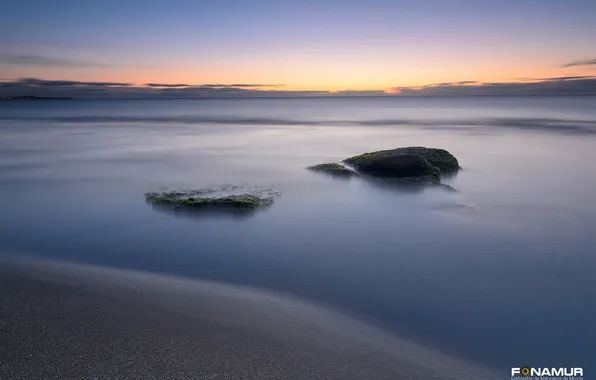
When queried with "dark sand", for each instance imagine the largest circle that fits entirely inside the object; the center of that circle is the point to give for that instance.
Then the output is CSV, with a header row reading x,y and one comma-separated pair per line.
x,y
65,321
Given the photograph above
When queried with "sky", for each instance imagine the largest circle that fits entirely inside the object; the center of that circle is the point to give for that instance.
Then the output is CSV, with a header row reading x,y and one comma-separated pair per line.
x,y
299,46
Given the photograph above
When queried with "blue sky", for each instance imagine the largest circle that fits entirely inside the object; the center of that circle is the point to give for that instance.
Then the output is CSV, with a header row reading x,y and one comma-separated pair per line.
x,y
305,45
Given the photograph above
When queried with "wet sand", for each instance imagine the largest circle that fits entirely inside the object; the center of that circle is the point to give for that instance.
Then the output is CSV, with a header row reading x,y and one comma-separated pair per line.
x,y
67,321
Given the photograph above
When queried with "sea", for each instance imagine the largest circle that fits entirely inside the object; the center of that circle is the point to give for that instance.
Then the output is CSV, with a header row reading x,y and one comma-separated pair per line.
x,y
499,269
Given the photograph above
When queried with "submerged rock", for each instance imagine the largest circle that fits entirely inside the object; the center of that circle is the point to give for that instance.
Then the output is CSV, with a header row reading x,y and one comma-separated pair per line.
x,y
333,169
234,199
418,162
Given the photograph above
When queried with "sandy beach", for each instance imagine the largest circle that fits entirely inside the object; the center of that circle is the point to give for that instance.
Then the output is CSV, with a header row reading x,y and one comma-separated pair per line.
x,y
67,321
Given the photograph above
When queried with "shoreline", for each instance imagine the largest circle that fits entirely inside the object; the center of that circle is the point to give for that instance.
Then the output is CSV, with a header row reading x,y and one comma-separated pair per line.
x,y
113,322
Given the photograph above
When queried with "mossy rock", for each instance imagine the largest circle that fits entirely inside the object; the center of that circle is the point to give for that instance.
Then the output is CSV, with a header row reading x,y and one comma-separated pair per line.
x,y
233,199
395,165
439,158
333,169
419,162
235,202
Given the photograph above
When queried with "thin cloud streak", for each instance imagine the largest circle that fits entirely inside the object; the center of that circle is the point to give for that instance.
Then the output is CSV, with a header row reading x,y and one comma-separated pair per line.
x,y
572,77
587,62
241,85
42,61
68,83
166,85
215,86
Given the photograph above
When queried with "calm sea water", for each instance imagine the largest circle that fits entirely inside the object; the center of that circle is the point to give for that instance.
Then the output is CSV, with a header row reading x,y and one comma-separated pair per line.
x,y
501,271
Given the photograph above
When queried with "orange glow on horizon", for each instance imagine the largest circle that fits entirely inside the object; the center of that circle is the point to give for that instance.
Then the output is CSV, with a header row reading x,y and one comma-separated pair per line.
x,y
310,76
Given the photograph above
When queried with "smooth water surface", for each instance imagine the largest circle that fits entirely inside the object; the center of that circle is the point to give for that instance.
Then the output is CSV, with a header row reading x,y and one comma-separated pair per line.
x,y
500,271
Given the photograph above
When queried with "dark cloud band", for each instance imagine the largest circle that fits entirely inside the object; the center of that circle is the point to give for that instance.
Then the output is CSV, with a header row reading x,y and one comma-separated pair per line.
x,y
584,85
569,85
587,62
68,83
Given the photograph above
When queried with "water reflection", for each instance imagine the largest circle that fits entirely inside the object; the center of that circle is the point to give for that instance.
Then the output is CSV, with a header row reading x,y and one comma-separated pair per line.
x,y
206,213
405,185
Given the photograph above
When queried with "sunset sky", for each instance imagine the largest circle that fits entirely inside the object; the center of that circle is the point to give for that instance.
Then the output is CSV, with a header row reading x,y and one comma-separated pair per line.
x,y
302,45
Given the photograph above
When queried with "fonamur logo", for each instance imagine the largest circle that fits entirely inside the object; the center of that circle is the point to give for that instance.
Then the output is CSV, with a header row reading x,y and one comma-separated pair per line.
x,y
570,373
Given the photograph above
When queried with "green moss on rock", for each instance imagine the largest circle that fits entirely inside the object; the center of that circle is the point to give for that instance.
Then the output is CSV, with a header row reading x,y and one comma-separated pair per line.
x,y
439,158
227,198
332,169
419,162
395,165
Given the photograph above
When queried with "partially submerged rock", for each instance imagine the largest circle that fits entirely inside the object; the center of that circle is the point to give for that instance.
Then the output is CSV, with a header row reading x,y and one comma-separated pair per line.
x,y
396,165
411,168
439,158
234,199
333,169
419,162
